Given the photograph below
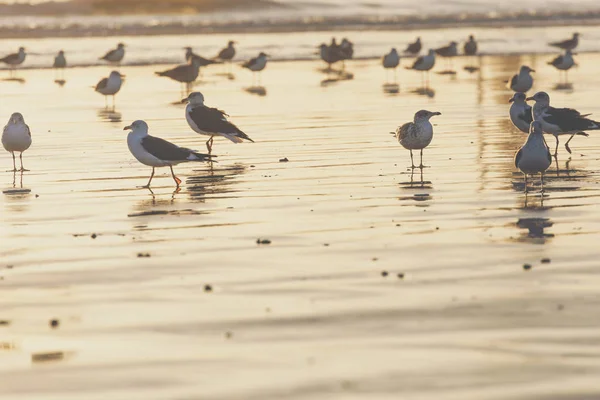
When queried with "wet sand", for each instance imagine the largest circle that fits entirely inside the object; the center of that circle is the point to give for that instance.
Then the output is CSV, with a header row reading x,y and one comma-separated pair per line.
x,y
310,315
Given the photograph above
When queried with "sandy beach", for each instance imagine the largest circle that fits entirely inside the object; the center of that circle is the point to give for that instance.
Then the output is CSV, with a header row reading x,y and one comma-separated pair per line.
x,y
377,283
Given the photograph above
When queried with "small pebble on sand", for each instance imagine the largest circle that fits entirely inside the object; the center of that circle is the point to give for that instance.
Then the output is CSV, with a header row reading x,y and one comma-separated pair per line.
x,y
545,261
526,267
384,273
263,241
54,323
208,288
285,159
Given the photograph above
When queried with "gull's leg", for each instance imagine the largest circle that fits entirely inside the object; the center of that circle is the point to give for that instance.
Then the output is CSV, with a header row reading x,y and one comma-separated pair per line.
x,y
14,163
542,174
149,180
21,158
411,160
176,179
421,166
556,149
525,183
105,101
209,143
395,75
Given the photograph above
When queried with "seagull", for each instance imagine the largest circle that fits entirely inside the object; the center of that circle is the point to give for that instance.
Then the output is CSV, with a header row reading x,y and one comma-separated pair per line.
x,y
523,81
534,156
346,49
202,62
563,62
560,121
520,112
329,55
156,152
416,135
111,85
116,55
14,59
414,48
228,52
16,136
470,47
391,61
60,62
569,44
424,63
185,73
448,52
256,64
210,121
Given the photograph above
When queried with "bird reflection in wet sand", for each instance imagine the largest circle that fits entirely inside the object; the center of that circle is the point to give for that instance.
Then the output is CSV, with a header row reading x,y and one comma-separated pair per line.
x,y
535,229
391,88
334,76
213,182
17,191
256,90
421,183
109,115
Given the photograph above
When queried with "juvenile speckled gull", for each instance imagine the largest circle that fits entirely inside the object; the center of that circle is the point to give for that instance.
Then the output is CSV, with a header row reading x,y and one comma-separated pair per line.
x,y
416,135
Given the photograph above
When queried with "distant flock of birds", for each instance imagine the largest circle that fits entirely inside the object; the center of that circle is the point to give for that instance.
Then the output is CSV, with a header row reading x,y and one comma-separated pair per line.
x,y
533,157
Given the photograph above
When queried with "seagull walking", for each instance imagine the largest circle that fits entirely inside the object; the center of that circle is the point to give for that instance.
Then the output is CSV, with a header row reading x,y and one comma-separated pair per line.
x,y
210,121
520,112
60,63
560,121
256,65
563,63
424,64
110,86
416,135
448,52
534,156
470,47
569,44
523,81
16,137
414,48
227,54
156,152
115,56
14,60
186,74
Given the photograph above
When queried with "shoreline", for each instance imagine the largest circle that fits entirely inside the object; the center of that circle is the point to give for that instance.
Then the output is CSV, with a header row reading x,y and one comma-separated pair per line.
x,y
396,23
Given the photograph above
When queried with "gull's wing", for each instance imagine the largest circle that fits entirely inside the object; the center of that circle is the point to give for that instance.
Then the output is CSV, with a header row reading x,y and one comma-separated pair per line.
x,y
518,157
212,120
514,80
164,150
102,84
405,130
418,62
11,58
250,63
526,115
557,61
109,54
568,119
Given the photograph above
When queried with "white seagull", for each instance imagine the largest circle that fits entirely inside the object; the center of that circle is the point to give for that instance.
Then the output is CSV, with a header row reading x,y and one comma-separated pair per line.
x,y
115,56
256,64
569,44
15,59
523,81
520,112
210,121
110,86
16,136
563,62
424,63
391,61
156,152
560,121
534,156
416,135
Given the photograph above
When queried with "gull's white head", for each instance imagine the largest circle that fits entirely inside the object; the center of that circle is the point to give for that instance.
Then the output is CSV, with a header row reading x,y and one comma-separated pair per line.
x,y
541,98
120,46
576,35
525,69
230,43
21,49
137,126
16,118
418,40
394,51
61,53
424,115
536,128
115,74
471,38
195,98
431,52
518,98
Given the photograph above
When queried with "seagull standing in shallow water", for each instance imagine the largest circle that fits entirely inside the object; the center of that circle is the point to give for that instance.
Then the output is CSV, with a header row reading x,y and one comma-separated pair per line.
x,y
156,152
560,121
414,48
569,44
15,59
424,64
391,61
470,47
563,62
60,63
534,156
520,112
256,65
16,136
416,135
110,86
523,81
210,121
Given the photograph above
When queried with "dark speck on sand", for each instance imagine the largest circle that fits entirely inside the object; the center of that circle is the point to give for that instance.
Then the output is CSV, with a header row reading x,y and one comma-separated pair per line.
x,y
526,267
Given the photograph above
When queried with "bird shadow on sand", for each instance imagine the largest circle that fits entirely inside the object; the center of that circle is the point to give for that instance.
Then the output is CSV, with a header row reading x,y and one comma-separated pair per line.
x,y
60,82
227,75
564,86
447,72
214,182
110,115
256,90
471,68
391,88
533,229
336,77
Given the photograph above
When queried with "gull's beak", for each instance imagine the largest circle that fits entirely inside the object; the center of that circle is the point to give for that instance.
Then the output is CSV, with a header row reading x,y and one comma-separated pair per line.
x,y
127,127
512,99
185,100
529,98
531,70
436,113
